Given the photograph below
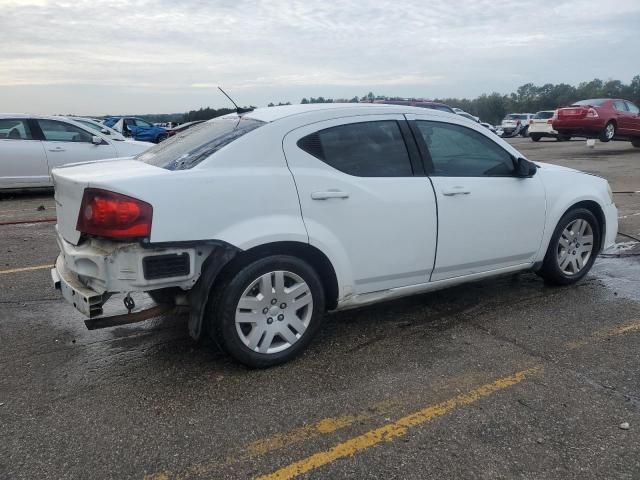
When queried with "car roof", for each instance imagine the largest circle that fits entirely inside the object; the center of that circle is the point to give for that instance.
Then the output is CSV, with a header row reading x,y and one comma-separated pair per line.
x,y
273,114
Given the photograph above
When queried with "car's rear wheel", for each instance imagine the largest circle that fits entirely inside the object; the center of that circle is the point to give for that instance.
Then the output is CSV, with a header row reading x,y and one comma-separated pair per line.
x,y
608,132
535,138
573,248
268,311
635,142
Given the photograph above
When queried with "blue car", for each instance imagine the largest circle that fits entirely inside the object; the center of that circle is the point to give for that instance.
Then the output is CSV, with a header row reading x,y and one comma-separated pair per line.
x,y
137,129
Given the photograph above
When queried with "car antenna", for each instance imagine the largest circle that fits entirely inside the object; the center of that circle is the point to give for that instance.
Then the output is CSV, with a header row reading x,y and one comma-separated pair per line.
x,y
238,109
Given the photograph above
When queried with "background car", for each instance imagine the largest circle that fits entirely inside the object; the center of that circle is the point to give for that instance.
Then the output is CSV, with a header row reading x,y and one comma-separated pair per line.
x,y
603,118
516,124
98,126
30,146
318,212
182,127
137,128
540,126
473,118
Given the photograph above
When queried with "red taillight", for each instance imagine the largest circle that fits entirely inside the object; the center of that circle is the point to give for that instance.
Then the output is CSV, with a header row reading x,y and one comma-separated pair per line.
x,y
113,215
592,113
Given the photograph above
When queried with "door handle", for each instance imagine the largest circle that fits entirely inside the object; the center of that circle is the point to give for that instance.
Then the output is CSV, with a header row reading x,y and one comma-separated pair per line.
x,y
58,149
450,192
329,194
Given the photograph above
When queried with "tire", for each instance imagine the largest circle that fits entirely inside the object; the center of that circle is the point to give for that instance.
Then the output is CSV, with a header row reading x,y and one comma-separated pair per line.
x,y
535,138
164,296
608,132
635,142
161,138
554,269
525,132
286,330
563,137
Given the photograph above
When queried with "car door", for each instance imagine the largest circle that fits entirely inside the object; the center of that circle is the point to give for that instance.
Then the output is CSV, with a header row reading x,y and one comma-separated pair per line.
x,y
67,143
361,201
634,122
23,162
488,219
623,117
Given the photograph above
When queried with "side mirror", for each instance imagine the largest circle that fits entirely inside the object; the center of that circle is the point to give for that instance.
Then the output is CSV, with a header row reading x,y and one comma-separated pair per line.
x,y
525,168
96,140
104,131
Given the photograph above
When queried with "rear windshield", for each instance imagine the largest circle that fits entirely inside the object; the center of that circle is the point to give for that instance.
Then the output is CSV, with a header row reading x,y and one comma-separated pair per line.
x,y
187,149
543,115
515,116
593,101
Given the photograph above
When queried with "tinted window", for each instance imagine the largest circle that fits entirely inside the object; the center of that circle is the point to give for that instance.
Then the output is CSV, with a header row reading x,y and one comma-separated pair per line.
x,y
620,106
516,116
367,149
457,151
632,108
543,115
187,149
55,131
15,129
142,123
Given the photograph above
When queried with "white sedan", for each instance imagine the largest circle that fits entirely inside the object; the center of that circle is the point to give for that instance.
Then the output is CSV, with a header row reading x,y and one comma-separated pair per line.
x,y
280,214
30,146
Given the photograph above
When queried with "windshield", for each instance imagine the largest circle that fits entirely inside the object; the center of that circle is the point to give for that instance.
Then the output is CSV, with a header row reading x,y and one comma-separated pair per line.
x,y
543,115
593,101
187,149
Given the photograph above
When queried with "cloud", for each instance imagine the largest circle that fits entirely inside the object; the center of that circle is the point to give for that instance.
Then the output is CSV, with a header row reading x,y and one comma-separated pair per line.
x,y
277,49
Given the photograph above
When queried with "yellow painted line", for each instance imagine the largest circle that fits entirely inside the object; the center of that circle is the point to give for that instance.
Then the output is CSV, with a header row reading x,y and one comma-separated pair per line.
x,y
598,335
391,431
27,269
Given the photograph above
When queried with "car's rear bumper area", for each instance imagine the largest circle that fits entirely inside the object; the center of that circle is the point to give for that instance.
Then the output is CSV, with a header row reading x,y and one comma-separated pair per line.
x,y
585,127
88,273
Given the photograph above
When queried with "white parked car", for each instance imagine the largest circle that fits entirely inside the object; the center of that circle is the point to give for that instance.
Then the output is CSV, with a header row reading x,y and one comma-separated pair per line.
x,y
540,126
516,124
280,214
31,145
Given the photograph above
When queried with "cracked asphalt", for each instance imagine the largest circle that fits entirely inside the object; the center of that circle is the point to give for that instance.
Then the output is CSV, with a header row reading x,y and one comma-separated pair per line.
x,y
501,379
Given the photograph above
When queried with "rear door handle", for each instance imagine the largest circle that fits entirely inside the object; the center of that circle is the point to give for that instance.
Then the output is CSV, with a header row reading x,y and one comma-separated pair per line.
x,y
329,194
450,192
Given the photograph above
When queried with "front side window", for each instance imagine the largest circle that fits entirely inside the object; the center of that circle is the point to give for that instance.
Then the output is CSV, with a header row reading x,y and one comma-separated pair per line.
x,y
142,123
15,129
56,131
366,149
458,151
194,145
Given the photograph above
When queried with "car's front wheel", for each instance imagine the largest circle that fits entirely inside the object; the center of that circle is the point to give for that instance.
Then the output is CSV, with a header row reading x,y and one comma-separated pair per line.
x,y
265,313
535,138
573,248
608,133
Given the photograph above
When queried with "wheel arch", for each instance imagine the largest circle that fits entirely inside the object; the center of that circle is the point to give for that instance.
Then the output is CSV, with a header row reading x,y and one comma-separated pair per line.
x,y
312,255
595,208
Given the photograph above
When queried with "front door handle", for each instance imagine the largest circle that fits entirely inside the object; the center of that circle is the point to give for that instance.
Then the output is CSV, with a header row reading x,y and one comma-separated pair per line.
x,y
57,149
329,194
450,192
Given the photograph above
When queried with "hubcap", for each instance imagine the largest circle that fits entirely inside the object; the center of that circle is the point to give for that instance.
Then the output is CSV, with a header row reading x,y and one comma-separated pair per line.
x,y
575,247
610,131
279,295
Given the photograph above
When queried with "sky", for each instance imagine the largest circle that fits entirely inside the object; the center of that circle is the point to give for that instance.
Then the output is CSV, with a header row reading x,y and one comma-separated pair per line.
x,y
164,56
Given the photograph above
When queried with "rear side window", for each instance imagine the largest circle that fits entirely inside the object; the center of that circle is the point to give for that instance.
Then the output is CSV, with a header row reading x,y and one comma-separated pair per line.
x,y
620,106
190,147
366,149
632,108
15,129
458,151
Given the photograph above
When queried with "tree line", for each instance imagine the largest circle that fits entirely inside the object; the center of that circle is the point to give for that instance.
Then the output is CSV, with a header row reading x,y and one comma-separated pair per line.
x,y
528,98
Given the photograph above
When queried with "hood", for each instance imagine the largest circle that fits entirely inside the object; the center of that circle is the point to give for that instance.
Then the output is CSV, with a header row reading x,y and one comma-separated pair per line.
x,y
549,167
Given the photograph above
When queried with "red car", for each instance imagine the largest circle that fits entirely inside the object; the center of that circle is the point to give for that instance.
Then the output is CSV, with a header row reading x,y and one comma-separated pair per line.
x,y
602,118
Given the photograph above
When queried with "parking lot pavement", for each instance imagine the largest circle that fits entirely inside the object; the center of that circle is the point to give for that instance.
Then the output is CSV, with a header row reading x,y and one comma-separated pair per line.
x,y
505,378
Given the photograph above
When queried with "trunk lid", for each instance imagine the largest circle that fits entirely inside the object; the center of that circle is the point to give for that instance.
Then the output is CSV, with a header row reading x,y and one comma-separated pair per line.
x,y
71,180
569,113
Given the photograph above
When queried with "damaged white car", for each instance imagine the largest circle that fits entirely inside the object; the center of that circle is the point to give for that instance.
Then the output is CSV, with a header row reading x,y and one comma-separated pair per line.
x,y
261,222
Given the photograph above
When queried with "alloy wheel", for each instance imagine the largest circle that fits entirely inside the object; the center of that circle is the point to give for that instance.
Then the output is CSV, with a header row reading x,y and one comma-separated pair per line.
x,y
575,247
610,131
273,312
